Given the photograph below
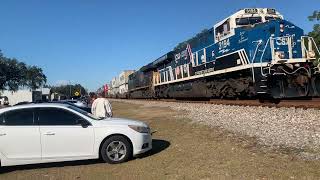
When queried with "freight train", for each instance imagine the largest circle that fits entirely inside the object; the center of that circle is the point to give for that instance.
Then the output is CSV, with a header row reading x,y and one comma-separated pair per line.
x,y
254,53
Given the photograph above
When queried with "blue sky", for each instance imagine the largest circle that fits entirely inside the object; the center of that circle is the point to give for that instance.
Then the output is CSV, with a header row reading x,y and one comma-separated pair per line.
x,y
90,41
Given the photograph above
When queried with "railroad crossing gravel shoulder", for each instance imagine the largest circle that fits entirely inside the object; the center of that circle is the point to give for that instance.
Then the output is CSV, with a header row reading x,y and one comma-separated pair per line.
x,y
293,128
183,150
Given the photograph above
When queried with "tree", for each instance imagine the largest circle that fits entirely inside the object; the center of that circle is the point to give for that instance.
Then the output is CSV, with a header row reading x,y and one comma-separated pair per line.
x,y
92,94
316,28
315,16
15,74
198,38
35,77
69,90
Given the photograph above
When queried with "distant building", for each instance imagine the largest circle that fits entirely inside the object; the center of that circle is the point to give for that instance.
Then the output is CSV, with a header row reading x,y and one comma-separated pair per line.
x,y
22,96
57,97
25,95
45,94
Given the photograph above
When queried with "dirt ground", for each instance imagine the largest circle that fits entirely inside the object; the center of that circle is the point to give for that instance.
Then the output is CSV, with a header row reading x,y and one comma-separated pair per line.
x,y
181,150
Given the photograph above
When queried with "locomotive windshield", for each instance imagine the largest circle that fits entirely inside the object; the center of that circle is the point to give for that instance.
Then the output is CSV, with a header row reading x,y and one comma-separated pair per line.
x,y
272,18
248,21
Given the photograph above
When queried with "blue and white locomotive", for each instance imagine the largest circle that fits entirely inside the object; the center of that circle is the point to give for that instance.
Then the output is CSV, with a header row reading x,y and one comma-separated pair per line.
x,y
254,53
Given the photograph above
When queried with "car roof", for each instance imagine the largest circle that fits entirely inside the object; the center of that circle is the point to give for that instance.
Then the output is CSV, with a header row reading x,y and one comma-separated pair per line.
x,y
32,105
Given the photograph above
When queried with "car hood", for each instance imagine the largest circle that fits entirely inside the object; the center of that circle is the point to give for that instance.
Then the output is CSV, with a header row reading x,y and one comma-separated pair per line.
x,y
121,121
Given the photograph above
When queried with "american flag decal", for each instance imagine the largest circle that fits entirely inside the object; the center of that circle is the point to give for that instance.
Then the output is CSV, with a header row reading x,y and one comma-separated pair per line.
x,y
178,70
190,54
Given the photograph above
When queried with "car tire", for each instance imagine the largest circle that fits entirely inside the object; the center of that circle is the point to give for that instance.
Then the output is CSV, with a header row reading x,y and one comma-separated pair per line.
x,y
116,149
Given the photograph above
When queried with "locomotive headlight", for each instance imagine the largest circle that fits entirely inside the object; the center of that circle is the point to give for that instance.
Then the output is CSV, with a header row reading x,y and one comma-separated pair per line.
x,y
311,54
282,28
280,55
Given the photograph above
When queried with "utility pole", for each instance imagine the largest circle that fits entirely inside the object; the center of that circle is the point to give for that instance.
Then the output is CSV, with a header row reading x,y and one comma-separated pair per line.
x,y
69,89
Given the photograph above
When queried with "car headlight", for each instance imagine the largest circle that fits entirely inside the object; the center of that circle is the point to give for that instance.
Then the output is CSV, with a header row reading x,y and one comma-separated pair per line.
x,y
140,129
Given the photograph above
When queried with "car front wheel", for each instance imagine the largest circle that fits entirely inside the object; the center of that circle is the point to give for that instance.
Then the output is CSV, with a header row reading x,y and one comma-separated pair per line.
x,y
116,149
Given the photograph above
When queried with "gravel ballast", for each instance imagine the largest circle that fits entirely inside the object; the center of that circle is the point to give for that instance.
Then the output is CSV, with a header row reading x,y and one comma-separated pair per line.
x,y
276,127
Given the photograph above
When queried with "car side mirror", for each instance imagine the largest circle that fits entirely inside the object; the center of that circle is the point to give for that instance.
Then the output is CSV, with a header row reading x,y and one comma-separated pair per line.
x,y
84,123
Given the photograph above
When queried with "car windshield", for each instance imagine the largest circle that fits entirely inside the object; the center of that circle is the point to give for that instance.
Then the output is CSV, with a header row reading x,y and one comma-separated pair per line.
x,y
84,113
71,101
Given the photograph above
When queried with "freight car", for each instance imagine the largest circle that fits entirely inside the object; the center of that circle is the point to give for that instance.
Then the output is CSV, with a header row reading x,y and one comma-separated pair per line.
x,y
119,85
254,53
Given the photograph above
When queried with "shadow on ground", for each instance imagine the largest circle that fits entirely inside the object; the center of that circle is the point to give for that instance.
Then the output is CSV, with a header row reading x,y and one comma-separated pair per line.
x,y
157,146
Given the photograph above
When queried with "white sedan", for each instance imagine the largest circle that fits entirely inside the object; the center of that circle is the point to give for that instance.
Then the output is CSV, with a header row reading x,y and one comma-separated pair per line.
x,y
41,133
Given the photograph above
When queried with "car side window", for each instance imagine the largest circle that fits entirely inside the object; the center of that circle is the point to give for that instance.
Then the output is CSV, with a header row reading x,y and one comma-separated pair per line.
x,y
2,119
57,117
19,117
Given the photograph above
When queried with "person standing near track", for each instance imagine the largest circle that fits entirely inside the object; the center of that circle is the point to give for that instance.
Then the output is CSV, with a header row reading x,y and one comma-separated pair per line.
x,y
101,107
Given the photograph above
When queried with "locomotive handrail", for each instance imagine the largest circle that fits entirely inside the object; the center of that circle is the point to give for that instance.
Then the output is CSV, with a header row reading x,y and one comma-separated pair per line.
x,y
313,42
264,49
288,42
315,45
254,57
317,68
308,72
304,49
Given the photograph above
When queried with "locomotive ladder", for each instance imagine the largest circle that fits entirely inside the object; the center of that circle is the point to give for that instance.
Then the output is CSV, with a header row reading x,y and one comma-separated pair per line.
x,y
261,82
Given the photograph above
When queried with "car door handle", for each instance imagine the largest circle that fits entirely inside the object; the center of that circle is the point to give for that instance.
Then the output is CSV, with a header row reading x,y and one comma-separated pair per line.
x,y
49,133
3,134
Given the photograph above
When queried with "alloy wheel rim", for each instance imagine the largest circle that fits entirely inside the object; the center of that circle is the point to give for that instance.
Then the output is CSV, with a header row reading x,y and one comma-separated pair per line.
x,y
116,150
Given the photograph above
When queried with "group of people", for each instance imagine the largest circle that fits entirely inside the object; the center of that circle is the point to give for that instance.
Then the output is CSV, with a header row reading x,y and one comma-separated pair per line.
x,y
101,107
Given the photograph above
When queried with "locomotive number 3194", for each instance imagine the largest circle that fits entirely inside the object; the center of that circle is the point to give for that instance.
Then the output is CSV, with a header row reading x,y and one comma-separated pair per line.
x,y
224,44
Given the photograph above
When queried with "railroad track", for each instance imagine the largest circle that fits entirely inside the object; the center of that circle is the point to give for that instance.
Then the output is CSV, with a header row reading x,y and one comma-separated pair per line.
x,y
305,104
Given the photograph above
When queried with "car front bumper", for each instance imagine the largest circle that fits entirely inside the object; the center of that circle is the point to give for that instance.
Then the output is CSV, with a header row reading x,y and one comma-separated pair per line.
x,y
142,144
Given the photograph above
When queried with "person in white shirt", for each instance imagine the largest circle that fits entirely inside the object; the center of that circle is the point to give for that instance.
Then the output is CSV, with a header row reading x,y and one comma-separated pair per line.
x,y
101,107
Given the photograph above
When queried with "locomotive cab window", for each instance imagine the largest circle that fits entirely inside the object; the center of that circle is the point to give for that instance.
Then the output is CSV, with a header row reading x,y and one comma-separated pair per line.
x,y
162,78
223,30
